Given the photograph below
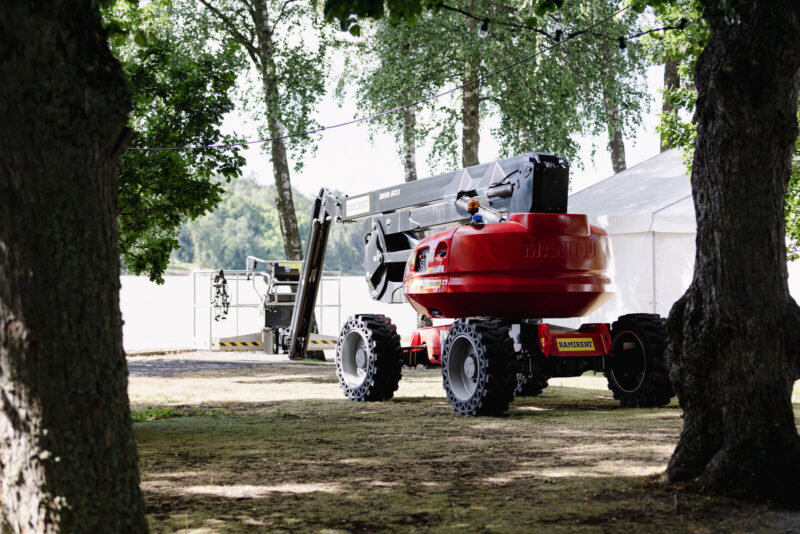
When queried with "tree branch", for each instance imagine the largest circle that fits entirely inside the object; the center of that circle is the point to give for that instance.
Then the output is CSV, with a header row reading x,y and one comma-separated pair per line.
x,y
238,36
280,14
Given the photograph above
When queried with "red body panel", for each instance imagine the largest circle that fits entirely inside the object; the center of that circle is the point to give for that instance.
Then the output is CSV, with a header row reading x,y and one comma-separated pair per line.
x,y
533,265
593,339
431,338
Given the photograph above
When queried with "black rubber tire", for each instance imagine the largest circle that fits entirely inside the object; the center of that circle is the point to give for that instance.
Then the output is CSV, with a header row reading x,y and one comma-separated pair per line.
x,y
383,364
530,386
492,352
638,375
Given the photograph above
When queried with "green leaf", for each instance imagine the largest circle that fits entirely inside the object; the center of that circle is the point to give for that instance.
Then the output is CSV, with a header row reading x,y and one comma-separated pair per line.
x,y
355,30
140,39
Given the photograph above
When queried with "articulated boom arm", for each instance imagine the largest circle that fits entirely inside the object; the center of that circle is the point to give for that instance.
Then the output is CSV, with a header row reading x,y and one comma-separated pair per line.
x,y
396,217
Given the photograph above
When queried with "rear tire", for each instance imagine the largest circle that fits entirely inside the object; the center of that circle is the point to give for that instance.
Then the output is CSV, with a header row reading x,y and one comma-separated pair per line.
x,y
368,358
478,367
530,386
636,371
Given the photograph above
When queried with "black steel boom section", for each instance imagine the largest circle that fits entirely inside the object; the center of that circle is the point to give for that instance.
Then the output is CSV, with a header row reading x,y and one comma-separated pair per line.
x,y
397,216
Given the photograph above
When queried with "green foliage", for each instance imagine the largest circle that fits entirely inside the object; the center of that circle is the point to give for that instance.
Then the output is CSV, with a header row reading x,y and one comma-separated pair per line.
x,y
246,223
546,103
792,208
677,127
154,414
397,65
288,62
179,98
543,104
348,11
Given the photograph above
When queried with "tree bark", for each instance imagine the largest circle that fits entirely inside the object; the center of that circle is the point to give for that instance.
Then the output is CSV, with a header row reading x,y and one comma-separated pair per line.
x,y
671,82
410,143
524,139
470,109
284,200
733,336
67,454
616,145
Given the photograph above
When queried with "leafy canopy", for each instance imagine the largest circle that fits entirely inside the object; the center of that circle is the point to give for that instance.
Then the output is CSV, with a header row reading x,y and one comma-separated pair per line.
x,y
180,95
246,223
542,103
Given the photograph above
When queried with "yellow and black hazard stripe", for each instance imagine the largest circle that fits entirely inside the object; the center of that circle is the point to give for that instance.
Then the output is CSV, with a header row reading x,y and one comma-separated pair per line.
x,y
237,344
322,342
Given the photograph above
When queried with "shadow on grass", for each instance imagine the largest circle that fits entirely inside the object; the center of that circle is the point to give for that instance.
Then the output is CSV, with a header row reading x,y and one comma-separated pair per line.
x,y
569,460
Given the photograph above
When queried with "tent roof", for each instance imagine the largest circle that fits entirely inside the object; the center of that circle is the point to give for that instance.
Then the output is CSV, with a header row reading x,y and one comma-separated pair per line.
x,y
655,195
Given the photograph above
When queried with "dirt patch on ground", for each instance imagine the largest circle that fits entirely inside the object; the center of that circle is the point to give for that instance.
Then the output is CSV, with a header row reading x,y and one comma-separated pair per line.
x,y
282,451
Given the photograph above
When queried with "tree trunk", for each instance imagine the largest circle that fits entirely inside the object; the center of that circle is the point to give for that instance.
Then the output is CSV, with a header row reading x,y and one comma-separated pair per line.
x,y
470,111
67,454
292,246
524,139
671,82
616,145
734,334
410,143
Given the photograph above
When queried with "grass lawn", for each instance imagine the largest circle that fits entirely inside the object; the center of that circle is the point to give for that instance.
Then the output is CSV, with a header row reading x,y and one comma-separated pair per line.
x,y
275,448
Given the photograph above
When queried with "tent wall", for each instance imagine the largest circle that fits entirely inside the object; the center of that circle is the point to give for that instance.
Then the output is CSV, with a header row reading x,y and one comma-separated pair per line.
x,y
650,271
632,273
674,262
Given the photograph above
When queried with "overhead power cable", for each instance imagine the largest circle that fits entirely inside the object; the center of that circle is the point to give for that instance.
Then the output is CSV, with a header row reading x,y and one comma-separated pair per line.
x,y
479,79
559,28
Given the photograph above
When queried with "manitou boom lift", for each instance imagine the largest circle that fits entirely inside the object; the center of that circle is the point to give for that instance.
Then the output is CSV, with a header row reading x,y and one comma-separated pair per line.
x,y
506,256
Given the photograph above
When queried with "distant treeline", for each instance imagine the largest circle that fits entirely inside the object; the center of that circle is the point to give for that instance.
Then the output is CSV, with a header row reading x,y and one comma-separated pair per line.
x,y
246,223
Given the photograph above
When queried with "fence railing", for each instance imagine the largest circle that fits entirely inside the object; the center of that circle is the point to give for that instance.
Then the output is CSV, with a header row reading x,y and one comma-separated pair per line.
x,y
246,289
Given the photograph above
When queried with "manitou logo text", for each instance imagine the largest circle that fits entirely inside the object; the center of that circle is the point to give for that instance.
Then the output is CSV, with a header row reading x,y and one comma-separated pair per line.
x,y
560,249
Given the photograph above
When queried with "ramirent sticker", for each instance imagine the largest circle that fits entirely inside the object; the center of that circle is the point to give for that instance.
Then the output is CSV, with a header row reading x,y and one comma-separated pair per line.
x,y
357,206
575,344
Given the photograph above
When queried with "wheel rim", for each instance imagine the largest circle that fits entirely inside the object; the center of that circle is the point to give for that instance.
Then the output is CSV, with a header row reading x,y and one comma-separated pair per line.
x,y
462,368
630,362
355,359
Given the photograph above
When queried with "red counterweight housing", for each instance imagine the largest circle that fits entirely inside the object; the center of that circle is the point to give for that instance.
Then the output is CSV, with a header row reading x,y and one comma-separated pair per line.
x,y
535,265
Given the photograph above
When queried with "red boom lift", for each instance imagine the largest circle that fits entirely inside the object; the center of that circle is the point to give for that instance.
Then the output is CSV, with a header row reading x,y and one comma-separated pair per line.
x,y
516,258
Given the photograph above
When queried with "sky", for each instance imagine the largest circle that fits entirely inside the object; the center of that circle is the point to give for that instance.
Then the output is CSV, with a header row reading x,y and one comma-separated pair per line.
x,y
346,159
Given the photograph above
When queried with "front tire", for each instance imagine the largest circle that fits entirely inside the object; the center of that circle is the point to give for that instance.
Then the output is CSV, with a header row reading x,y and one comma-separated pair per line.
x,y
368,358
478,367
637,373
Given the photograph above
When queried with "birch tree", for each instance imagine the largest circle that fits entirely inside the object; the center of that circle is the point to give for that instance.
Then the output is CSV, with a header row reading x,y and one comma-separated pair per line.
x,y
587,86
288,59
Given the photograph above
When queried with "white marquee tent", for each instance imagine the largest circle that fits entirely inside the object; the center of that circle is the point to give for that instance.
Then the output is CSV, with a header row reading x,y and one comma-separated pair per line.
x,y
648,212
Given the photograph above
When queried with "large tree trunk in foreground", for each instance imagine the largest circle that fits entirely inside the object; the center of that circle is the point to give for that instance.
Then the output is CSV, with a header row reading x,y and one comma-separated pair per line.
x,y
734,334
67,454
672,81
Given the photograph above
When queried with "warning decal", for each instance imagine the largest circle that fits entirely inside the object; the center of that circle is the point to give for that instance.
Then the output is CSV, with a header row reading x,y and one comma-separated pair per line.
x,y
575,344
